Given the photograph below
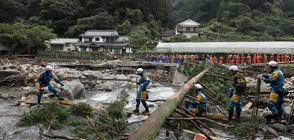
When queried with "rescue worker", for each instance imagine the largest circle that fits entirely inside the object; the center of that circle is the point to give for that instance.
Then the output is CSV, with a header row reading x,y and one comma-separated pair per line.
x,y
265,60
278,58
254,59
44,81
221,59
239,86
237,59
248,59
142,91
197,107
242,59
277,94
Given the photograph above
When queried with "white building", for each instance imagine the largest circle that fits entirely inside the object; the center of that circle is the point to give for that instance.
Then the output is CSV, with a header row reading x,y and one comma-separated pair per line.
x,y
277,47
188,28
62,44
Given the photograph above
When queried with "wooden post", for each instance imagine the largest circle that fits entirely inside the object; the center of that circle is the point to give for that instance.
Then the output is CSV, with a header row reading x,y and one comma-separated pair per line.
x,y
150,128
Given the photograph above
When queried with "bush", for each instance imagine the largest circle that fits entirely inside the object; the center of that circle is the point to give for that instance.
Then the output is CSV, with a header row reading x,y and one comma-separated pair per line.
x,y
53,114
82,109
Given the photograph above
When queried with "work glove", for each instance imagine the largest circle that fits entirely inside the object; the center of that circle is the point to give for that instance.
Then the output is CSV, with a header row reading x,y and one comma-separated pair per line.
x,y
61,84
265,76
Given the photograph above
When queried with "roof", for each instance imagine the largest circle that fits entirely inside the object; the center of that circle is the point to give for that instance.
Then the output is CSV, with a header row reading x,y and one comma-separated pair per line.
x,y
122,39
100,44
228,47
5,48
63,40
98,33
189,22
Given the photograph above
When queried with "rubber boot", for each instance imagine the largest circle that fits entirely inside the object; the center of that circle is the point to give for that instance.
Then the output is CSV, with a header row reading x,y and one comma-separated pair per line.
x,y
238,115
39,102
146,110
136,110
231,113
268,118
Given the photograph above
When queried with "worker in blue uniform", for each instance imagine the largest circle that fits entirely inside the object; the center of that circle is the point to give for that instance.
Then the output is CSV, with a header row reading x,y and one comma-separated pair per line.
x,y
276,99
239,89
198,106
44,81
142,94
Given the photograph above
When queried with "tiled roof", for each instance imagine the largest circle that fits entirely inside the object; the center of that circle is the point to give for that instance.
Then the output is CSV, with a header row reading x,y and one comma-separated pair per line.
x,y
100,33
63,40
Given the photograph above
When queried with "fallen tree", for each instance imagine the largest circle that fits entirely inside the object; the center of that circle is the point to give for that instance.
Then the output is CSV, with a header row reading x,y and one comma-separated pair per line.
x,y
150,128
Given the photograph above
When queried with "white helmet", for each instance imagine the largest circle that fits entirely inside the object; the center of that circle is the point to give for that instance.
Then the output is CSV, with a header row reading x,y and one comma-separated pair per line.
x,y
198,86
272,64
233,68
49,68
139,70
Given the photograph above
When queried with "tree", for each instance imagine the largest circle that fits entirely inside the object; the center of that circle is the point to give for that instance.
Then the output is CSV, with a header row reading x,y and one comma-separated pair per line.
x,y
31,39
9,10
140,35
101,21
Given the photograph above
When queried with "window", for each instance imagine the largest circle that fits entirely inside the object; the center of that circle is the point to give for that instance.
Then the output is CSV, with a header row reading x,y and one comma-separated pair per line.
x,y
88,40
116,51
83,49
97,39
188,29
124,50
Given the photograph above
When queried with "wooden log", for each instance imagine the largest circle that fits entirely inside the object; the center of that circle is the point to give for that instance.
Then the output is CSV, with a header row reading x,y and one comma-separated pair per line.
x,y
202,118
59,137
150,128
247,106
129,113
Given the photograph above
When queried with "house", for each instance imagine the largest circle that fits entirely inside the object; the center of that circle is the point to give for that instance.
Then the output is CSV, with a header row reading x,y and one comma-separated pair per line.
x,y
62,44
104,41
4,50
188,28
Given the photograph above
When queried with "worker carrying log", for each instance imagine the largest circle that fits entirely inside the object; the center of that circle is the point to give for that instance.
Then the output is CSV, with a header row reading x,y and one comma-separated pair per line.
x,y
277,94
44,81
142,91
238,89
197,106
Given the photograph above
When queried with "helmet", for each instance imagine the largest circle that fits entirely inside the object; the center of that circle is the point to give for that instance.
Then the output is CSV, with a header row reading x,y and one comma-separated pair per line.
x,y
198,86
272,64
139,70
233,68
49,68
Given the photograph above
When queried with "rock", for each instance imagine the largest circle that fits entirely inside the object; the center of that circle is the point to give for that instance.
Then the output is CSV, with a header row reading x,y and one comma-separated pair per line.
x,y
32,91
73,90
107,86
287,109
279,127
6,73
27,88
287,100
292,79
4,96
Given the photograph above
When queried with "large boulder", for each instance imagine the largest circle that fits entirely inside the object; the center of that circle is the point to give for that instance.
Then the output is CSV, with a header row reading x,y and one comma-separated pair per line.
x,y
280,127
107,86
73,90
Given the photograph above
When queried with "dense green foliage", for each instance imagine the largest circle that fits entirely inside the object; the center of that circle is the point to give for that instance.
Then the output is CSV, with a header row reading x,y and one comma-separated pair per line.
x,y
237,20
82,109
52,114
145,20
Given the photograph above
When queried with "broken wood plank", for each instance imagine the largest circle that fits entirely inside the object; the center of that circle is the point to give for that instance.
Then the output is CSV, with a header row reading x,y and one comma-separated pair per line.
x,y
247,106
150,128
202,118
129,113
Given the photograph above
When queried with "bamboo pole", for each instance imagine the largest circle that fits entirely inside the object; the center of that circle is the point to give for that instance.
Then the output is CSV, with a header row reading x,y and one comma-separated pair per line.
x,y
150,128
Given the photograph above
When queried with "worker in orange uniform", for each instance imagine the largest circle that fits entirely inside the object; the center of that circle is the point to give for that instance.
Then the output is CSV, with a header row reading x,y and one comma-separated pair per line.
x,y
233,59
254,59
265,59
214,59
248,59
258,57
278,58
242,59
228,59
221,59
272,57
287,58
211,59
237,59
